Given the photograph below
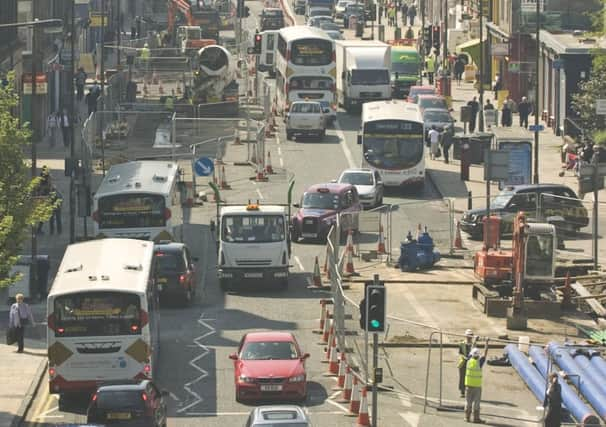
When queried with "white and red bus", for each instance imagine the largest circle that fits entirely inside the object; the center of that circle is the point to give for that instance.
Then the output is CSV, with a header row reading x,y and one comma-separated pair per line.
x,y
102,315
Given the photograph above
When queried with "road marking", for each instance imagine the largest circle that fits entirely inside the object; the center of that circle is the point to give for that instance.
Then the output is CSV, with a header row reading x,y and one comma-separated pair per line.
x,y
344,147
281,162
280,151
239,414
298,261
278,141
203,374
260,195
411,418
338,405
424,314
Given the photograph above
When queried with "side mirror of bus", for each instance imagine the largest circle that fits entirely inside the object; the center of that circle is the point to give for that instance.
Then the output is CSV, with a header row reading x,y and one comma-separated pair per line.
x,y
359,139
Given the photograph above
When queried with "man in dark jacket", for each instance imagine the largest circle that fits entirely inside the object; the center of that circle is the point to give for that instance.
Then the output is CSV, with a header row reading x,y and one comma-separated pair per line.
x,y
459,68
474,106
524,109
553,402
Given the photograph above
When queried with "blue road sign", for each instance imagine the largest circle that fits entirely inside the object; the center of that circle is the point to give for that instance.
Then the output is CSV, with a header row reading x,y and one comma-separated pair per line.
x,y
536,128
204,166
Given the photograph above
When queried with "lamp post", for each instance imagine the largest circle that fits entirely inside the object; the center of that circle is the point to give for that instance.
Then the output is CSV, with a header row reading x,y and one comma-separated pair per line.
x,y
481,112
536,100
72,149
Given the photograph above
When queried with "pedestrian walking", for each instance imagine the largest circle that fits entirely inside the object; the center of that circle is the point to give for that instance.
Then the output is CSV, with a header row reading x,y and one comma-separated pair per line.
x,y
80,79
473,383
446,142
52,128
497,86
524,109
434,142
488,105
459,68
404,11
465,347
412,13
20,316
91,102
55,219
553,402
392,14
66,128
474,106
506,113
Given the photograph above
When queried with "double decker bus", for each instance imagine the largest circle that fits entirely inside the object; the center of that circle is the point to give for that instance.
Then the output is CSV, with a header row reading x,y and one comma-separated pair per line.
x,y
391,135
102,315
141,200
305,68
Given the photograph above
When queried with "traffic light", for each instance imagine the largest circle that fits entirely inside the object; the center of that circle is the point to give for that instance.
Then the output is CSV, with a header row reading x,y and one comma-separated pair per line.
x,y
362,308
375,298
257,47
436,38
241,10
427,39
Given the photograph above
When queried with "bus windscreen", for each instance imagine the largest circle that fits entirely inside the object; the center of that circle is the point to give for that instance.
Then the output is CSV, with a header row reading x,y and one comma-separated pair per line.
x,y
131,211
312,52
88,314
393,144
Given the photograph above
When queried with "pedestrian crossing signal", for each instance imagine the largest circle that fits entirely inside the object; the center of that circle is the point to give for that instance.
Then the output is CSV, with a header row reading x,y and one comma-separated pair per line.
x,y
257,47
375,300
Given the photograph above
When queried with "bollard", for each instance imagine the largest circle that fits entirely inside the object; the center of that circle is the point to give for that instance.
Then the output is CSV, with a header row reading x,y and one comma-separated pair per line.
x,y
469,201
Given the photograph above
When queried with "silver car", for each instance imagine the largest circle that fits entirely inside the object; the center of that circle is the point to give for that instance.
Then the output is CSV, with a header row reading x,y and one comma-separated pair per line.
x,y
368,183
278,415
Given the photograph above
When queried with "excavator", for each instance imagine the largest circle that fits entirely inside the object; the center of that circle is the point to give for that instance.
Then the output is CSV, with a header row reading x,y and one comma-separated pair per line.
x,y
528,268
202,27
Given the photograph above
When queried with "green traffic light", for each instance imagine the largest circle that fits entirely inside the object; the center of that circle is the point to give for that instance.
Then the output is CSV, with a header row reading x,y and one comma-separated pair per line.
x,y
375,323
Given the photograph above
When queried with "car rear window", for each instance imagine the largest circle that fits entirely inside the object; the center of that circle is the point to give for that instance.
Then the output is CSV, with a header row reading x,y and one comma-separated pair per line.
x,y
170,261
276,350
128,399
306,108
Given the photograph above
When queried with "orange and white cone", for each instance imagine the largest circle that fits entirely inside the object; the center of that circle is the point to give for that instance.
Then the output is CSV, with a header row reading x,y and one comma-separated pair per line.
x,y
260,174
349,267
346,394
363,417
331,340
381,245
323,304
268,167
354,404
458,243
317,278
342,369
326,328
333,363
224,184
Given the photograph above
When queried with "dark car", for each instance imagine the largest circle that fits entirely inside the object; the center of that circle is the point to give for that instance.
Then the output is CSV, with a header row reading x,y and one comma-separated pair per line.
x,y
128,404
438,117
175,271
272,19
557,204
319,207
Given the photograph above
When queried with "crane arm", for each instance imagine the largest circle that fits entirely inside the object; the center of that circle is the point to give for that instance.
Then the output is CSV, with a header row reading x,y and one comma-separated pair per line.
x,y
184,7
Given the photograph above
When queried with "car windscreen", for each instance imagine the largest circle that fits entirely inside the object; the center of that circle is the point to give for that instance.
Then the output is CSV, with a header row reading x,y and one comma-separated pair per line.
x,y
405,68
97,314
269,350
253,228
500,201
120,400
432,103
305,108
441,116
312,52
318,200
356,178
132,210
369,77
170,262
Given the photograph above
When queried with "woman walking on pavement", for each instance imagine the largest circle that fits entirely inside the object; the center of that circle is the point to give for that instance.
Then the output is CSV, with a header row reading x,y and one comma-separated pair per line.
x,y
20,315
553,402
52,128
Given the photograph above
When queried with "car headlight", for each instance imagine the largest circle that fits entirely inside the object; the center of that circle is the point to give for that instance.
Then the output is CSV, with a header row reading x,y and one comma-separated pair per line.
x,y
297,378
473,218
245,379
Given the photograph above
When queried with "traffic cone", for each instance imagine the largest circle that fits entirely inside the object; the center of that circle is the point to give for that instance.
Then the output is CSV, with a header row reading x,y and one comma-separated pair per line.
x,y
268,168
260,174
349,267
333,363
317,279
342,369
363,418
331,340
458,243
326,327
346,395
381,245
323,304
224,184
325,267
354,404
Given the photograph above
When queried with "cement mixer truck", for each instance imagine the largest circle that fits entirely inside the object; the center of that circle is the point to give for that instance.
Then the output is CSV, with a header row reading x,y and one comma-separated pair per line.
x,y
215,82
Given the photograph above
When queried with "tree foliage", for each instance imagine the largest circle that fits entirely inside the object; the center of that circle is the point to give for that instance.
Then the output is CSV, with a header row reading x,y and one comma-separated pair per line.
x,y
20,208
583,103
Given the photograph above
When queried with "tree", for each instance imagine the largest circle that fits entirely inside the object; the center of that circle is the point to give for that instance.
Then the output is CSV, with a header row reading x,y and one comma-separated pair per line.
x,y
583,102
20,207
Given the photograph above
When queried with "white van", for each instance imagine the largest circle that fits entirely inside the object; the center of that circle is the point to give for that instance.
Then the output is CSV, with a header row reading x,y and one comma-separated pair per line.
x,y
267,58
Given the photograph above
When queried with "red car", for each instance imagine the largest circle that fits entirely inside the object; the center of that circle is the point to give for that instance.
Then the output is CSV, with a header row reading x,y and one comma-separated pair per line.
x,y
415,91
270,366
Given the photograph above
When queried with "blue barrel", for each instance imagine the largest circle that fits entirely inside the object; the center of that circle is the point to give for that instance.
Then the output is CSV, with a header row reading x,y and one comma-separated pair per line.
x,y
408,256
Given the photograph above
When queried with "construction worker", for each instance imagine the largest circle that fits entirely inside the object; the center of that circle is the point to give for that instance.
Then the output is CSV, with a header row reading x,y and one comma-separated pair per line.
x,y
465,347
430,68
473,384
145,54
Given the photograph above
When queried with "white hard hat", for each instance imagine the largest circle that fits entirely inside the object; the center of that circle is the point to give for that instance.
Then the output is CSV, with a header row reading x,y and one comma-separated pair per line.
x,y
468,333
474,352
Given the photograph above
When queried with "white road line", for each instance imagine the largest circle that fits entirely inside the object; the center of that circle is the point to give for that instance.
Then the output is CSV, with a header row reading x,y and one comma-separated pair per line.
x,y
423,314
238,414
278,141
411,418
203,374
299,263
338,405
344,147
45,414
280,151
281,162
260,194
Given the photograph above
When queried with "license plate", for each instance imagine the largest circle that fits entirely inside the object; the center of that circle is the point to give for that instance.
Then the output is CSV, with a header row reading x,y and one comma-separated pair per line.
x,y
309,234
162,280
253,275
271,387
118,416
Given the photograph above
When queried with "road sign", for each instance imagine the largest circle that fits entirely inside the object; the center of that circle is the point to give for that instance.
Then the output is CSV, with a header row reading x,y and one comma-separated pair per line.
x,y
520,161
499,49
587,169
496,165
204,166
536,128
600,106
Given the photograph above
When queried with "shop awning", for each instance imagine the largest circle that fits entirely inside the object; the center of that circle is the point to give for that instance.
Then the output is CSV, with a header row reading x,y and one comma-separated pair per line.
x,y
472,48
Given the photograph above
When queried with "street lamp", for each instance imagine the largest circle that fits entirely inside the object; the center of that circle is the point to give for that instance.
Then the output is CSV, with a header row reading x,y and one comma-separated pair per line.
x,y
536,100
52,25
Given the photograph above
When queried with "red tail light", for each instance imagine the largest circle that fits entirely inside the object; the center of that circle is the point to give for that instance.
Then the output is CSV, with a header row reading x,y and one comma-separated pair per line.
x,y
182,278
144,397
52,372
50,321
94,398
96,216
60,330
167,214
134,328
143,318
